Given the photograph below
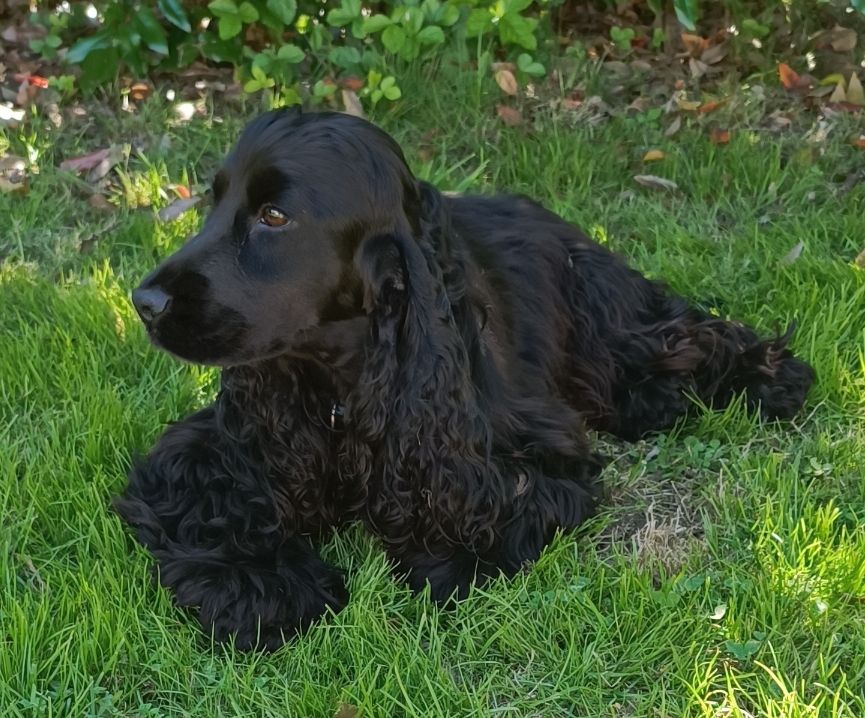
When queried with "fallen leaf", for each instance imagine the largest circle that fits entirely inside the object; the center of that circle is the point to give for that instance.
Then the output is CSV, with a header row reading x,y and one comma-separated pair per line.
x,y
352,83
694,44
687,105
698,68
860,259
654,182
841,39
509,115
674,126
10,116
792,255
680,84
719,612
790,79
85,162
707,107
346,710
13,175
181,190
653,156
714,54
507,82
116,155
177,208
838,94
99,202
855,94
719,136
509,66
859,142
352,104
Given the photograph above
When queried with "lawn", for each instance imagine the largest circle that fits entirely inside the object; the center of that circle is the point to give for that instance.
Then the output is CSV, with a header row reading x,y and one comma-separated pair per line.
x,y
725,575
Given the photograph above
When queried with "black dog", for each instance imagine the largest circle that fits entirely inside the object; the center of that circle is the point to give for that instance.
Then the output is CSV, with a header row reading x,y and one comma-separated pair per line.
x,y
427,365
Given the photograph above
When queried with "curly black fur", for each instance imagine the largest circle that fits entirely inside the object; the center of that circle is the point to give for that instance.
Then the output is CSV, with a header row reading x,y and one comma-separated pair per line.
x,y
469,342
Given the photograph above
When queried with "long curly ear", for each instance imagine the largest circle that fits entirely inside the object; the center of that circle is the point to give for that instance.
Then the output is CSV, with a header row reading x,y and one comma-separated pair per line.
x,y
416,408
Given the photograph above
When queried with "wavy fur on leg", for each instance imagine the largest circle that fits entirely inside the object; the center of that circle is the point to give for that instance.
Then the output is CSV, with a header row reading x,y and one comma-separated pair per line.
x,y
423,363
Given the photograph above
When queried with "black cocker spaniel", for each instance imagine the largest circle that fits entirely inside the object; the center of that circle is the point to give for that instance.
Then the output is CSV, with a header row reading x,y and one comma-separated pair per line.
x,y
425,364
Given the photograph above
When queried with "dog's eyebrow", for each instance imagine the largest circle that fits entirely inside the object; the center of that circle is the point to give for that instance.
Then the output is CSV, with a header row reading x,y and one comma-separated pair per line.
x,y
220,185
266,185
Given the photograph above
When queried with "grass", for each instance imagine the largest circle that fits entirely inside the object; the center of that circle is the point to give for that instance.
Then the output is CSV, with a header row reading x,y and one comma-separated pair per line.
x,y
725,576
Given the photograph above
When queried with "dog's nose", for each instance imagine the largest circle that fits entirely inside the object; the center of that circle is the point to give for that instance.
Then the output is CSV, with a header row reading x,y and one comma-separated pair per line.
x,y
150,302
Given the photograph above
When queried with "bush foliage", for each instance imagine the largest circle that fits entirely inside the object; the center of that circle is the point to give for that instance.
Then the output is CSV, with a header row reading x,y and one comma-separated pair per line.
x,y
358,43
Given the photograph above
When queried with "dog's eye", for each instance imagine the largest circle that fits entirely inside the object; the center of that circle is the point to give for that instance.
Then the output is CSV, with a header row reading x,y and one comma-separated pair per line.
x,y
273,217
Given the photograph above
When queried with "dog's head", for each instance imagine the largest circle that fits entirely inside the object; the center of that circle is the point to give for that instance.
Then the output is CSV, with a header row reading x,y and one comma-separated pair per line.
x,y
279,254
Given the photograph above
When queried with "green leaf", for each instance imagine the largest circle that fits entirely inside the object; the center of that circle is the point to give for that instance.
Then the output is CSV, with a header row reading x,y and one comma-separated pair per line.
x,y
518,30
754,28
173,11
99,66
432,35
247,12
742,651
410,49
222,51
87,45
340,17
229,26
687,12
375,23
344,56
393,38
450,14
415,20
285,10
392,93
151,31
478,22
512,7
53,41
221,8
858,5
529,66
323,89
291,54
387,82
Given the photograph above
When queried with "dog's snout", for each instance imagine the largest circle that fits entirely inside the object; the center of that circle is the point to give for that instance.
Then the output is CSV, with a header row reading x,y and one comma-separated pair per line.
x,y
150,302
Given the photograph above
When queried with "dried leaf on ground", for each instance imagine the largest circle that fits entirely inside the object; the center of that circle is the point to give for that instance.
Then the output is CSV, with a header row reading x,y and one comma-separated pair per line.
x,y
860,259
352,82
790,79
673,127
859,142
654,156
840,39
177,208
509,115
655,182
99,202
718,136
346,710
13,174
855,93
351,102
838,94
507,82
792,255
707,107
714,54
85,162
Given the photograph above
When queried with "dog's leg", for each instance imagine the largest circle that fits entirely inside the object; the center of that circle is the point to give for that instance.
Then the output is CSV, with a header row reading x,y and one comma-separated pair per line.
x,y
541,505
211,522
713,359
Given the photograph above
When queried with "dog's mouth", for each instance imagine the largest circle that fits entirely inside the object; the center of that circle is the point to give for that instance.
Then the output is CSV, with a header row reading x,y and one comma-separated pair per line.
x,y
197,333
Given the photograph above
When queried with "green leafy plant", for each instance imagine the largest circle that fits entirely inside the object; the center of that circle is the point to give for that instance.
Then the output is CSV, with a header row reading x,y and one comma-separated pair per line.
x,y
505,18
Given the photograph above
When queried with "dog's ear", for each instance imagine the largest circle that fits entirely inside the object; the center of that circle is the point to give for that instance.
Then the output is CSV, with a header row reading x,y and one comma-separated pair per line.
x,y
415,410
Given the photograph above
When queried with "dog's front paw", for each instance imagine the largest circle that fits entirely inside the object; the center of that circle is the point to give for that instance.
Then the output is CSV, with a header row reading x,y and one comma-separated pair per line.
x,y
263,610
